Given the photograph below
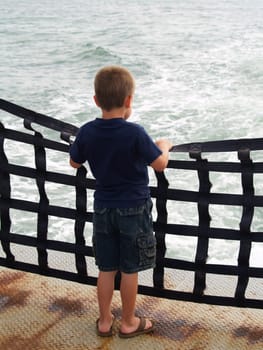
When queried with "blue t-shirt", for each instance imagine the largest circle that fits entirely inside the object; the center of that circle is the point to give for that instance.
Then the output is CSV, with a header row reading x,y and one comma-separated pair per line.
x,y
118,153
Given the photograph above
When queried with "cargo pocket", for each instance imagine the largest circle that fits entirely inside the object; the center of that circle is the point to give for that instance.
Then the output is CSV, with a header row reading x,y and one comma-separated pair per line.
x,y
147,250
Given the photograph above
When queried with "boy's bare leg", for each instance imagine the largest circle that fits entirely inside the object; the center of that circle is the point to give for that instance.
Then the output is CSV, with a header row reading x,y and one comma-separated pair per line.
x,y
105,289
129,288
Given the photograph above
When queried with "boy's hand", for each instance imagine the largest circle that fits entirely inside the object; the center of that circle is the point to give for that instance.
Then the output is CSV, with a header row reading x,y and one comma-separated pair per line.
x,y
161,162
74,164
164,145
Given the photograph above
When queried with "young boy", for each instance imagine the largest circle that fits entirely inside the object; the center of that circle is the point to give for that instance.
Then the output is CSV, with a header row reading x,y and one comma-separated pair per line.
x,y
118,153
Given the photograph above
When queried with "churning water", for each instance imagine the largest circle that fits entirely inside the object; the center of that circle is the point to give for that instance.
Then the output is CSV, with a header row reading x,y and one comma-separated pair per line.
x,y
198,66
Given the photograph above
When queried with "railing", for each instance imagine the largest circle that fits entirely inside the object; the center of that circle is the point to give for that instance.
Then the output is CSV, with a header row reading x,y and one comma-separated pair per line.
x,y
202,232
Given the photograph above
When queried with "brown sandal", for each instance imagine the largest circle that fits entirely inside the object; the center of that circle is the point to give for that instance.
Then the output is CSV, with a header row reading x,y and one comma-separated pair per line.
x,y
139,331
103,334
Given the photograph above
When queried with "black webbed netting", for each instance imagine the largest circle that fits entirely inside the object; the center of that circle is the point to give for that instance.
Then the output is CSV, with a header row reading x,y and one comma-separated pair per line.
x,y
200,278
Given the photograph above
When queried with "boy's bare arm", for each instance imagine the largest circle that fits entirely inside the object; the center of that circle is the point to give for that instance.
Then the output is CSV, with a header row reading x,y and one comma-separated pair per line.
x,y
160,163
74,164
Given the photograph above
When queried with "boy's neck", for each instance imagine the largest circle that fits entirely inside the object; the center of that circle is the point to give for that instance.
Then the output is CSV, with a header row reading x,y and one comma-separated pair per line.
x,y
114,113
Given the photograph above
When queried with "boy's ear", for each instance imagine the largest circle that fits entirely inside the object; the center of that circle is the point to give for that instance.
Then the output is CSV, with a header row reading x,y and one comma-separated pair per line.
x,y
128,101
96,100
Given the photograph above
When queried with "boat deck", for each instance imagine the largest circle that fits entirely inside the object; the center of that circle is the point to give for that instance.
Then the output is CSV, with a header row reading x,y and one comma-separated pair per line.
x,y
39,313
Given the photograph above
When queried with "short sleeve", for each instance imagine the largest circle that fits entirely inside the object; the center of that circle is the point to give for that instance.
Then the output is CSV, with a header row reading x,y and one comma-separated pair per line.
x,y
75,150
146,147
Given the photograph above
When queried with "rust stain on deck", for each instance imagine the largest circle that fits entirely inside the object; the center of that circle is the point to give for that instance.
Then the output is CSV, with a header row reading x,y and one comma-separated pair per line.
x,y
253,335
10,294
181,329
10,278
67,306
13,298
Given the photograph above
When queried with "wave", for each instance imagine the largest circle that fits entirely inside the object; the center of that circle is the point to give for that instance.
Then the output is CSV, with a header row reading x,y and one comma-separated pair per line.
x,y
97,54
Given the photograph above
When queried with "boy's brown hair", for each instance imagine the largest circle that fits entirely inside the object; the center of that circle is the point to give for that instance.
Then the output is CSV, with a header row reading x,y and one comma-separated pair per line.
x,y
112,85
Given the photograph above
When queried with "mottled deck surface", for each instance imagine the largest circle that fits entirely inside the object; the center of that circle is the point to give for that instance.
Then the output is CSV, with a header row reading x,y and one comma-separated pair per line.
x,y
41,313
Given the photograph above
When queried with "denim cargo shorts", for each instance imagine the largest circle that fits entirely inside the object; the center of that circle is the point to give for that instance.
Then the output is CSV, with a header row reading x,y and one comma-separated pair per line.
x,y
123,238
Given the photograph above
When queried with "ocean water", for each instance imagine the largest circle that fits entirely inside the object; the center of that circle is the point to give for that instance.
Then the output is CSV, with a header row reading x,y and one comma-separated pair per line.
x,y
198,67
